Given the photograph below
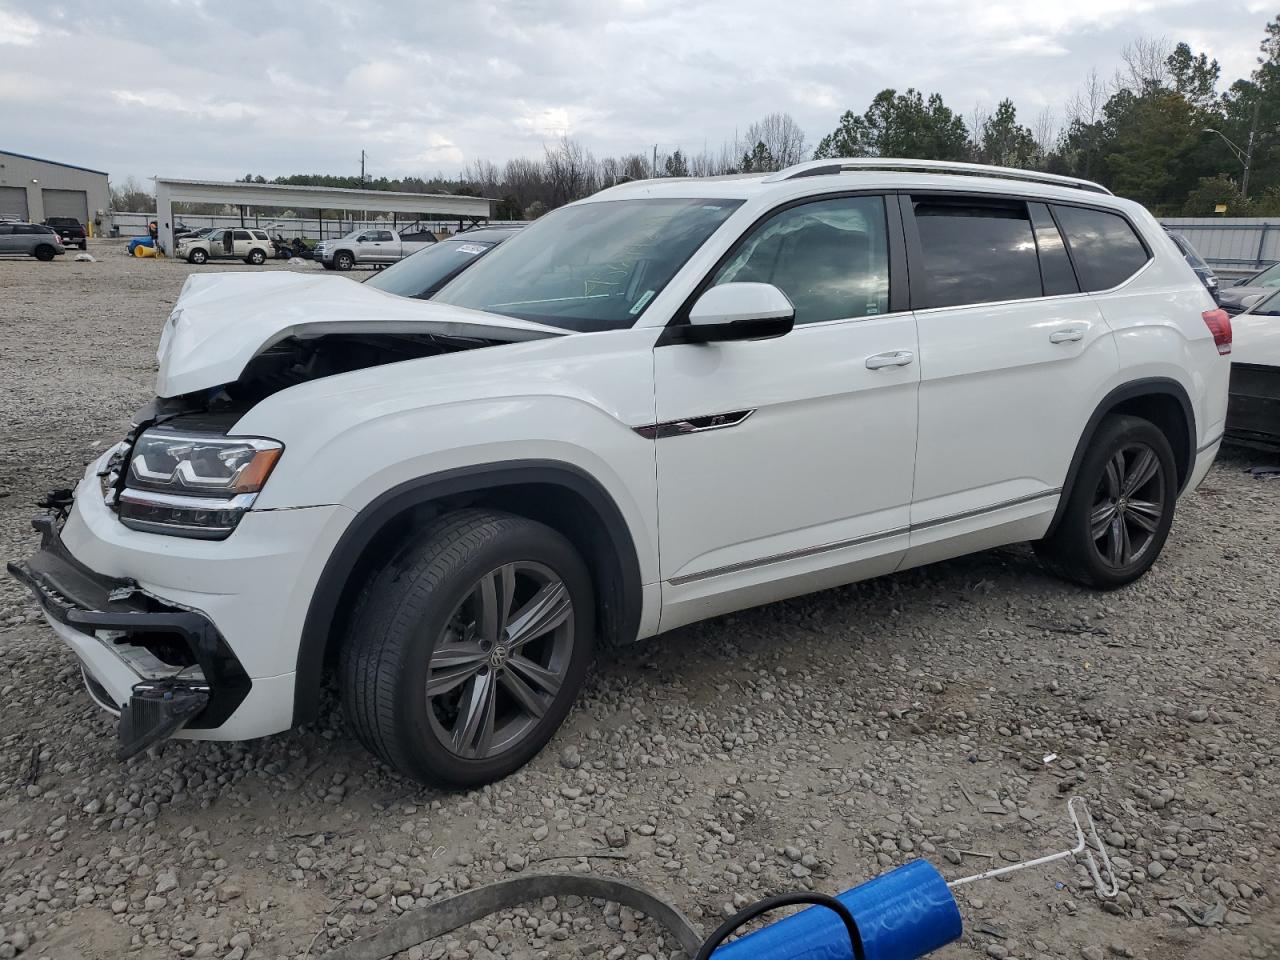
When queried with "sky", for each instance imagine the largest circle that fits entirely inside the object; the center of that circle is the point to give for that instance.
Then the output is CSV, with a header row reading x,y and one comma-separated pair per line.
x,y
189,89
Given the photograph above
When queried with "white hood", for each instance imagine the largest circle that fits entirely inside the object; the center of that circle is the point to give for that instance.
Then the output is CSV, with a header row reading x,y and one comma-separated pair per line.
x,y
223,320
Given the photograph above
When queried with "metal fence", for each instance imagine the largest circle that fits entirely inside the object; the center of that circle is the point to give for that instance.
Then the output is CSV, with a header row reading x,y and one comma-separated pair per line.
x,y
1233,247
134,224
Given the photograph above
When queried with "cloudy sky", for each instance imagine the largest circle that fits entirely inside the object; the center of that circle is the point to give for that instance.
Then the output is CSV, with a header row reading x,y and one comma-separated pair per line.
x,y
218,89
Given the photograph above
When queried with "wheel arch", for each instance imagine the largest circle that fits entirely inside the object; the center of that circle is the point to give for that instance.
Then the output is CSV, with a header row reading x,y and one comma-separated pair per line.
x,y
558,494
1161,400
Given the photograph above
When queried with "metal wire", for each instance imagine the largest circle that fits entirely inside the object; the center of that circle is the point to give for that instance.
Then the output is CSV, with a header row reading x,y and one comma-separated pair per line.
x,y
1104,889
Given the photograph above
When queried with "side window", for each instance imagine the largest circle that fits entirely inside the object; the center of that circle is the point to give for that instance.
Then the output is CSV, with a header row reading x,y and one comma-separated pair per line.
x,y
5,229
830,257
241,235
383,236
1103,246
260,234
1055,266
976,250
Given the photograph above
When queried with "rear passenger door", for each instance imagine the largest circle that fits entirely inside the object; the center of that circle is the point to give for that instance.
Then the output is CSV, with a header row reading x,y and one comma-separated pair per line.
x,y
1013,359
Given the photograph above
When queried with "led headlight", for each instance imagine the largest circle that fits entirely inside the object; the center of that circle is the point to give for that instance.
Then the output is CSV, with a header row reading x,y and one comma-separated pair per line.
x,y
192,484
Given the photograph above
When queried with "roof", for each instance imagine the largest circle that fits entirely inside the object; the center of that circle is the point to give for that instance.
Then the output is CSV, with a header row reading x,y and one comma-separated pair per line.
x,y
55,163
285,195
866,173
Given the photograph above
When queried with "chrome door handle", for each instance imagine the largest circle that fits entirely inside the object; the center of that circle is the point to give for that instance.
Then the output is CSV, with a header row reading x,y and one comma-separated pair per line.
x,y
894,358
1066,336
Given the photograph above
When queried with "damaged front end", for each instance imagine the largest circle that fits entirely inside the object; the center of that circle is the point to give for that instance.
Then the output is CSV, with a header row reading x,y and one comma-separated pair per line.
x,y
186,674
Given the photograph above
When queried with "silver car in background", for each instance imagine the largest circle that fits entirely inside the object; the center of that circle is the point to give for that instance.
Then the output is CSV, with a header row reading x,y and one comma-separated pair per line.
x,y
30,240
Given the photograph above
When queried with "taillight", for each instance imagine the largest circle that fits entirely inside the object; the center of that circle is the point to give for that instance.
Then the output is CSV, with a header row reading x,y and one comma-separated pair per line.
x,y
1219,324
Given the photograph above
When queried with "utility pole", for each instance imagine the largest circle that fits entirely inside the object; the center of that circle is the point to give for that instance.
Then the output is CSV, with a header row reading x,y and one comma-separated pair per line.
x,y
1248,153
654,168
362,168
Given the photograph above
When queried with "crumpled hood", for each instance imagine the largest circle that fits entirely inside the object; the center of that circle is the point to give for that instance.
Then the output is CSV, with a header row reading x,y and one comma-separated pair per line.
x,y
223,320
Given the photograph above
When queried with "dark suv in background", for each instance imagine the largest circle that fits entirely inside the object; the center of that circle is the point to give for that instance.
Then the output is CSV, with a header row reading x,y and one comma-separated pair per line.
x,y
70,230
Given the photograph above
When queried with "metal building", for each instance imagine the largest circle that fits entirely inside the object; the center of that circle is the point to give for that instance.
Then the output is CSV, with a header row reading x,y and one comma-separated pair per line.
x,y
34,189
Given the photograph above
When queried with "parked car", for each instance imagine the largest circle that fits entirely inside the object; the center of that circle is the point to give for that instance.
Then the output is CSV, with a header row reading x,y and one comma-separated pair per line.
x,y
377,247
1263,282
181,231
250,245
671,400
70,230
1196,263
30,240
1254,411
423,274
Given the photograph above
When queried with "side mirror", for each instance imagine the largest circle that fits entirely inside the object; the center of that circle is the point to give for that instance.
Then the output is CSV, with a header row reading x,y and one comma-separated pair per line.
x,y
737,311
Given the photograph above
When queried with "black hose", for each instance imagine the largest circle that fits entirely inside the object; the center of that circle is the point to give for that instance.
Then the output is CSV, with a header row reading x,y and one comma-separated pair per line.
x,y
747,914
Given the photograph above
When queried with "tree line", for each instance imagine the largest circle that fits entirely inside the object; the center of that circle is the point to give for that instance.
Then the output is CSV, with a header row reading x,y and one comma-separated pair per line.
x,y
1161,130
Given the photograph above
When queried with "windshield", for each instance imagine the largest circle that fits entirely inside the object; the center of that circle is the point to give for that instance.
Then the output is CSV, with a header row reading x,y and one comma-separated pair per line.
x,y
422,274
1269,307
593,266
1269,277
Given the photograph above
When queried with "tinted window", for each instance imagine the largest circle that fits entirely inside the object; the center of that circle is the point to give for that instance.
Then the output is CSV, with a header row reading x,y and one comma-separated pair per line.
x,y
1103,246
831,258
976,250
5,229
1269,277
242,235
1056,273
260,234
382,236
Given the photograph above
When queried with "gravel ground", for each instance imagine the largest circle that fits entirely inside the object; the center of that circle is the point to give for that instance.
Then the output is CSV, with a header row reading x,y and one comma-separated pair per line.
x,y
812,743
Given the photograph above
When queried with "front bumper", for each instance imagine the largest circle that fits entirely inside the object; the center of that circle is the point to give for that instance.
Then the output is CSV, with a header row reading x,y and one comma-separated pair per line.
x,y
250,591
177,669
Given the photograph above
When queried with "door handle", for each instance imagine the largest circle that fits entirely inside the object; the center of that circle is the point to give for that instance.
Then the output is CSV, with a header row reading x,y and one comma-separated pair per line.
x,y
1066,336
894,358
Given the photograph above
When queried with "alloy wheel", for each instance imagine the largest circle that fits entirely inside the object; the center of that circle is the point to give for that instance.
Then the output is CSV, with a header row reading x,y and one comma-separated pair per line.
x,y
1128,505
501,660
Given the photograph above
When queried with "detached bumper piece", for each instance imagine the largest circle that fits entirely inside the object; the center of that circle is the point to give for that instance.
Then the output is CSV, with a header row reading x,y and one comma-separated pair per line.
x,y
149,635
155,712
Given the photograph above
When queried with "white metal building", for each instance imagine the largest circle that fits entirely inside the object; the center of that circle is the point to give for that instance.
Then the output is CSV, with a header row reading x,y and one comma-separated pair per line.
x,y
170,191
34,189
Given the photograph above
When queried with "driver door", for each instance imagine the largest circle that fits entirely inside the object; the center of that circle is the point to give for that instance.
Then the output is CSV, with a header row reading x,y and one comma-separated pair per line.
x,y
786,465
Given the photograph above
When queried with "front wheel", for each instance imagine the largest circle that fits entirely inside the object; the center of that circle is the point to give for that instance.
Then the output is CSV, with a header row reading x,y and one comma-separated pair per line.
x,y
343,260
197,256
1120,508
466,653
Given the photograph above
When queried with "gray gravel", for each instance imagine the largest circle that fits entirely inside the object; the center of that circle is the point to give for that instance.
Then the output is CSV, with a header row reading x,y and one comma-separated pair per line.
x,y
812,743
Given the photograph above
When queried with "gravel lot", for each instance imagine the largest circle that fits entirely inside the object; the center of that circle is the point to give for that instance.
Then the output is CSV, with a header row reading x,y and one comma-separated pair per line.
x,y
811,743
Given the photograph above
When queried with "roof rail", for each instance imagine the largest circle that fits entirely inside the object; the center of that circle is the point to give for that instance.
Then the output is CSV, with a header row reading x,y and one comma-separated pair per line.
x,y
819,168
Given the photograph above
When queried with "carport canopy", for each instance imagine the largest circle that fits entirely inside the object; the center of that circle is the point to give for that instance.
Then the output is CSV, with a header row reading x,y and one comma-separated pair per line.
x,y
426,205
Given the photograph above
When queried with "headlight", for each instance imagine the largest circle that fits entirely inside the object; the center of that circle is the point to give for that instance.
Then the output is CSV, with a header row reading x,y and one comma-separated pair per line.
x,y
192,484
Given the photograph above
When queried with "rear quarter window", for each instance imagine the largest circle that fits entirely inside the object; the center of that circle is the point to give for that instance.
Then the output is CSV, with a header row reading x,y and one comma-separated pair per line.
x,y
1104,247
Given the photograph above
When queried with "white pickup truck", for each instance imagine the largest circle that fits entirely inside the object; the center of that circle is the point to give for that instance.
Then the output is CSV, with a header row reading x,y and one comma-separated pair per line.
x,y
377,247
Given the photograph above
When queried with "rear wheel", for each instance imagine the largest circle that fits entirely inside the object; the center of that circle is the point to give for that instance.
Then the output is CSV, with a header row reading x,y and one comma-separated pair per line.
x,y
257,257
466,653
1120,509
45,252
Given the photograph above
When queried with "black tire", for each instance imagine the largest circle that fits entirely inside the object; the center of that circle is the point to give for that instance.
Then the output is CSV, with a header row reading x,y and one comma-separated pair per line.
x,y
326,264
257,257
342,260
197,256
44,253
418,605
1100,499
84,245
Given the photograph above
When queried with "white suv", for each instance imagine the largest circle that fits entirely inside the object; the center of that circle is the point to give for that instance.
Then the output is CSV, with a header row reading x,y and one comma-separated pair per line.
x,y
672,400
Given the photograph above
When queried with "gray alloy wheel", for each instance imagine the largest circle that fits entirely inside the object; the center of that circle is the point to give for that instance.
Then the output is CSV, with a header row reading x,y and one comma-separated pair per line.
x,y
197,256
501,661
1128,505
257,257
343,260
